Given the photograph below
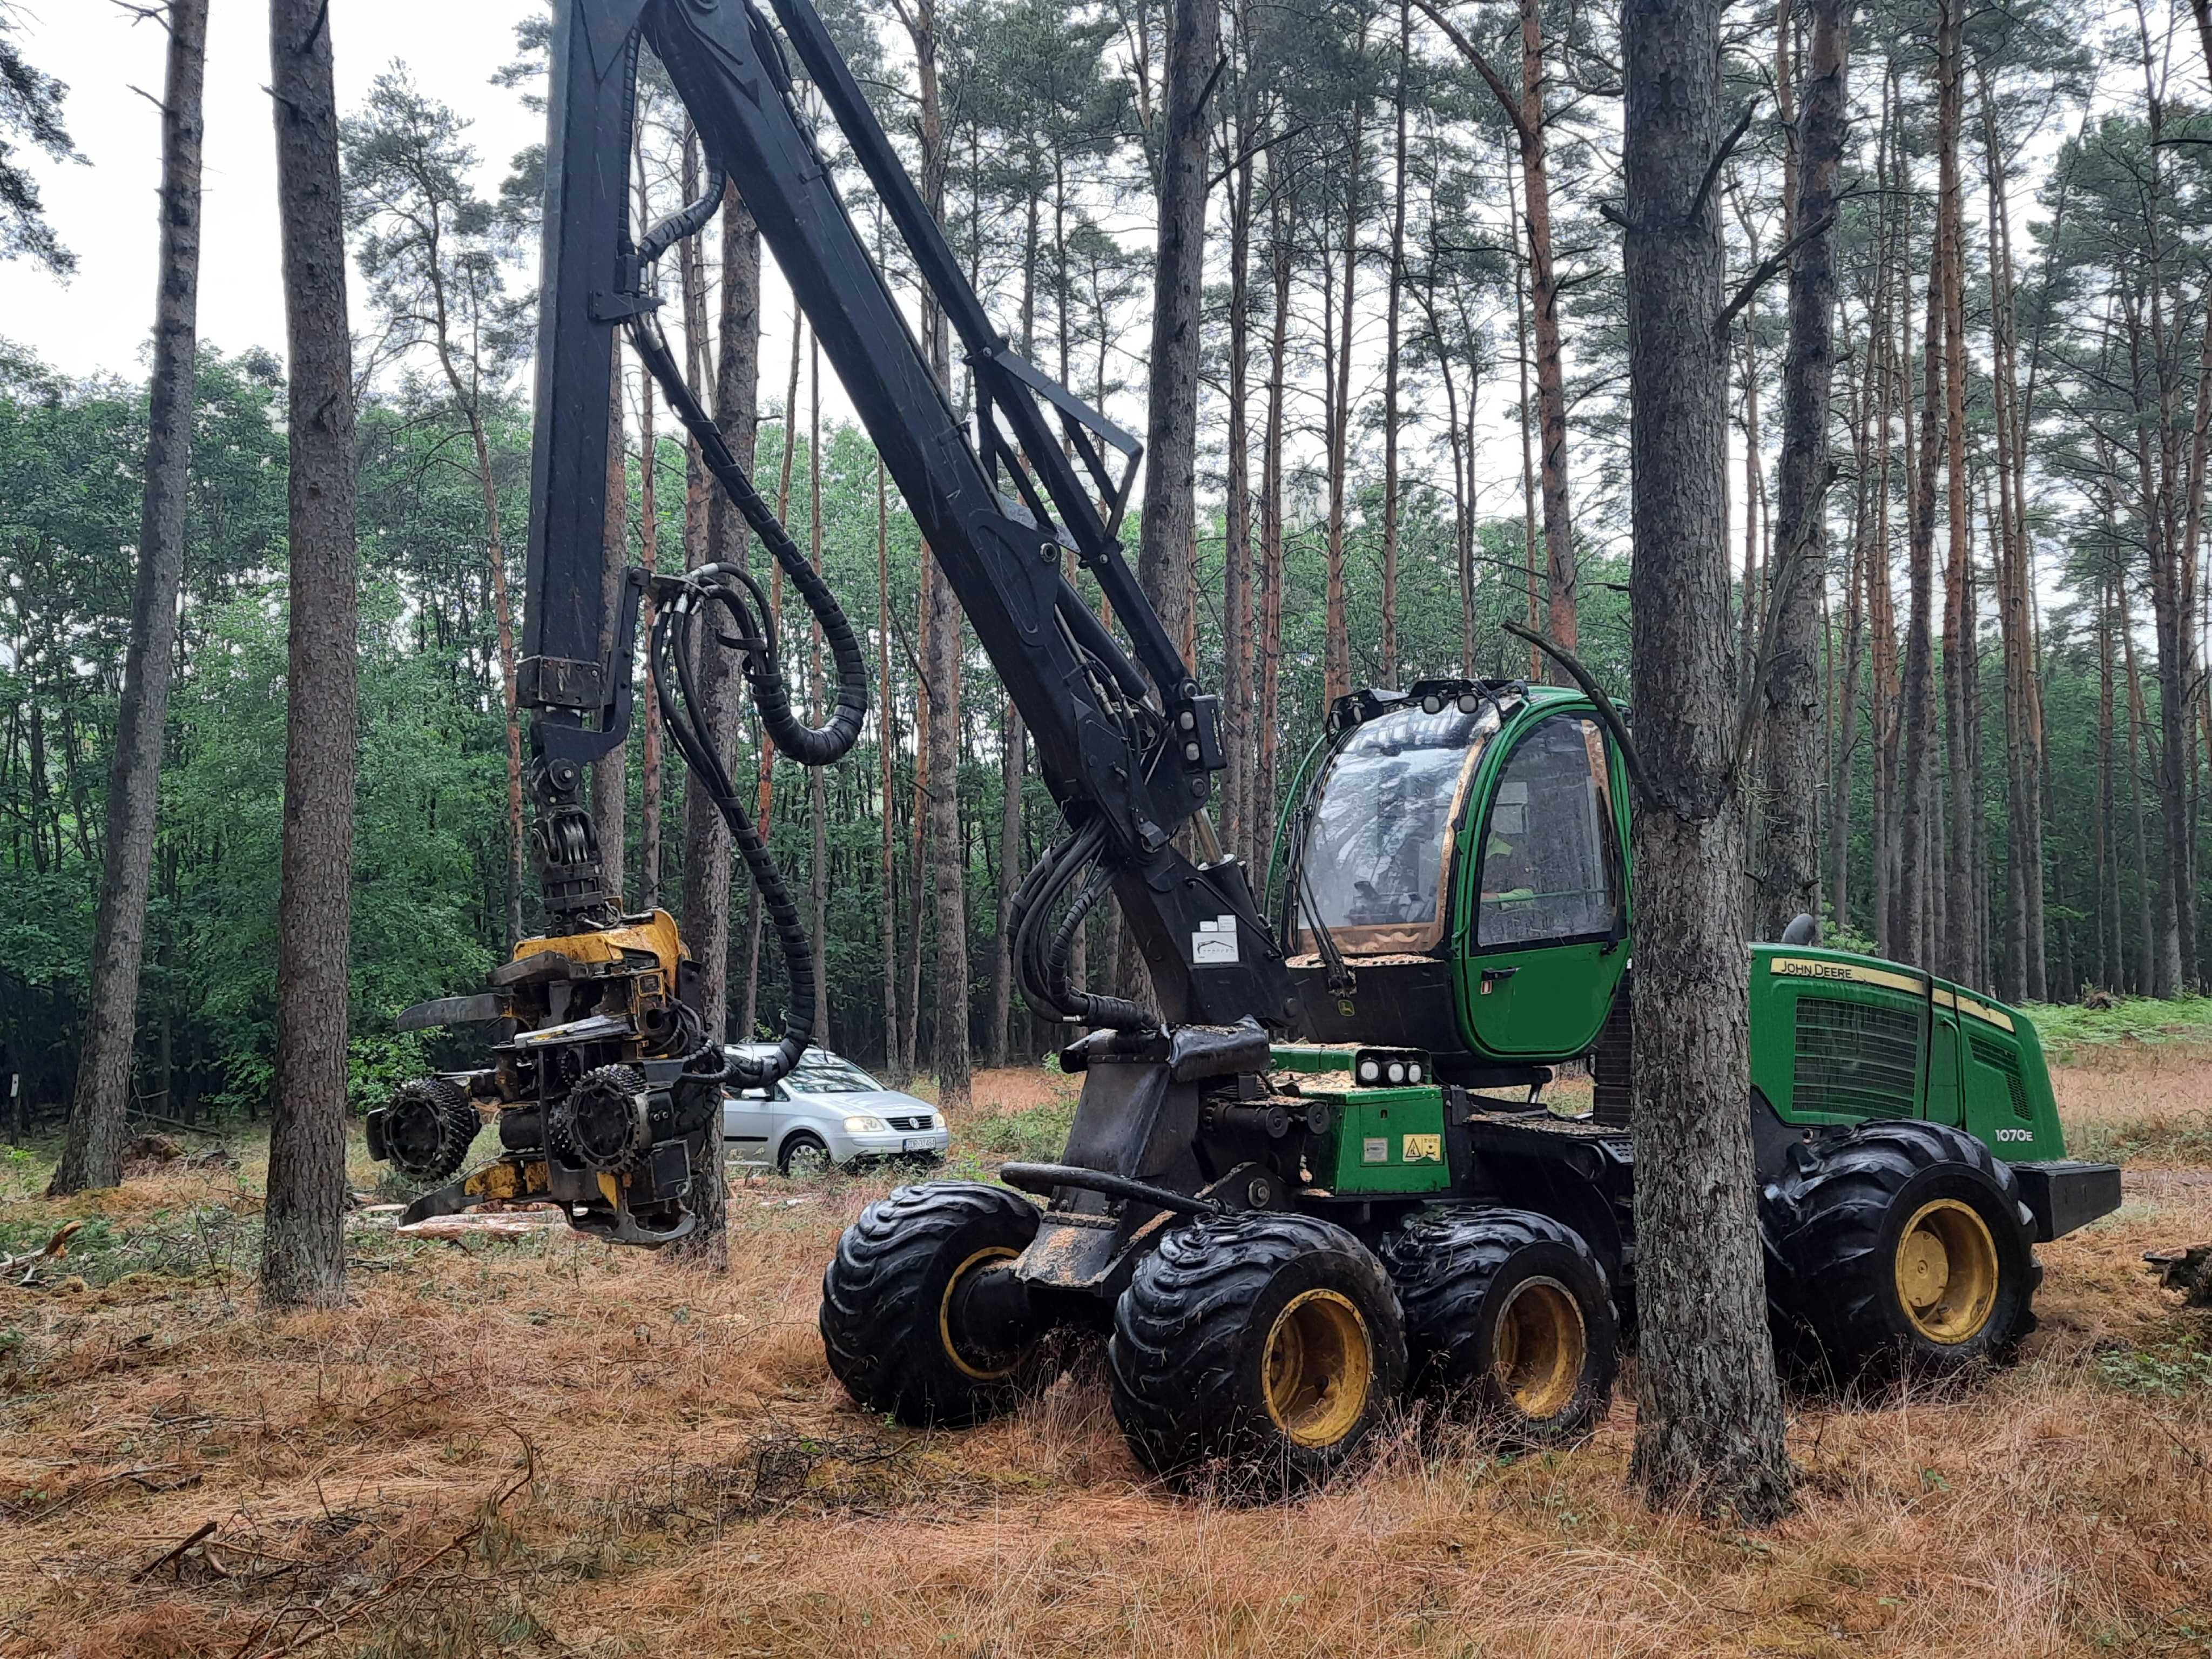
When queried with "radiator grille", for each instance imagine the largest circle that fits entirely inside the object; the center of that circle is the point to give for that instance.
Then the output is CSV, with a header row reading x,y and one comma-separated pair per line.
x,y
2002,1059
1855,1058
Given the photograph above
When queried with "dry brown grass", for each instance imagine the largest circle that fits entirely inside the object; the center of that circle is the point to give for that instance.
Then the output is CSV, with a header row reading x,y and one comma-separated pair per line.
x,y
697,1485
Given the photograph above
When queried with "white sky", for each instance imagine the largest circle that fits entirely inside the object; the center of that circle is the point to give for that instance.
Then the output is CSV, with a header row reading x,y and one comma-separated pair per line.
x,y
100,319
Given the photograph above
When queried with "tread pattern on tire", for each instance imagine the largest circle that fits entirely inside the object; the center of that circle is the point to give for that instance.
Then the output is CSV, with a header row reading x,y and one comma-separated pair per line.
x,y
1444,1262
1824,1226
880,1298
1181,1326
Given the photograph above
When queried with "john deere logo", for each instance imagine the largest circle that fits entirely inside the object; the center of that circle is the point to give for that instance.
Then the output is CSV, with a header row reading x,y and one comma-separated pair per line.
x,y
1344,1007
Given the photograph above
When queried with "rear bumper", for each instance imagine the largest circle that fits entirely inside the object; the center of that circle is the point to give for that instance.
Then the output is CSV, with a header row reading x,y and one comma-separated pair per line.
x,y
2065,1194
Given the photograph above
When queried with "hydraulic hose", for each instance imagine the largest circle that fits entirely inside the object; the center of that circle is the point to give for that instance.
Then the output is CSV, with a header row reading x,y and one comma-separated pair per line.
x,y
671,658
1042,963
808,745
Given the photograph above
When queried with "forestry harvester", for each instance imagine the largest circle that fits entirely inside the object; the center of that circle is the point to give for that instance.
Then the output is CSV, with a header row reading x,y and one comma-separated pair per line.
x,y
1315,1171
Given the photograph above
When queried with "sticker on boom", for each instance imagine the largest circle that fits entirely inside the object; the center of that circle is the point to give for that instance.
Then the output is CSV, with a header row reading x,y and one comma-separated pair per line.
x,y
1423,1149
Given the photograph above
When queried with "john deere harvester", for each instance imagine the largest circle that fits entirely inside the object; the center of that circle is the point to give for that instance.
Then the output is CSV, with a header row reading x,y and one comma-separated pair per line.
x,y
1281,1235
1315,1168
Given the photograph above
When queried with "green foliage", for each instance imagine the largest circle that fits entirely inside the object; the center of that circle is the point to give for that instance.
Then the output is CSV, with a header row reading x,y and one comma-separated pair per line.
x,y
2174,1361
2071,1031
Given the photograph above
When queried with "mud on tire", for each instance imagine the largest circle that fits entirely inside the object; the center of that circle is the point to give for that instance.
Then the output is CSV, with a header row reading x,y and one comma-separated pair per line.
x,y
1509,1319
887,1297
1899,1252
1257,1351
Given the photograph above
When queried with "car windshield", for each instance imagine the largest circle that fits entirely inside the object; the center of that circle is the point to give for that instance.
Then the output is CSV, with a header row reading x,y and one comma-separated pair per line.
x,y
1382,827
826,1074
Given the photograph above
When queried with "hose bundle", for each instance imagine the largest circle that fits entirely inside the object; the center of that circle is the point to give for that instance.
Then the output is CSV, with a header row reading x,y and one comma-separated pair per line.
x,y
673,650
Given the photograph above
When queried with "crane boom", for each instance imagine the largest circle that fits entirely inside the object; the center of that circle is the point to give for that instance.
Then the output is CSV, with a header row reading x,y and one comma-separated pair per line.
x,y
1127,748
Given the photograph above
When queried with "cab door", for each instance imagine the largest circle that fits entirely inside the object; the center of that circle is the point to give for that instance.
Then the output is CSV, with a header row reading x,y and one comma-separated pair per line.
x,y
1545,909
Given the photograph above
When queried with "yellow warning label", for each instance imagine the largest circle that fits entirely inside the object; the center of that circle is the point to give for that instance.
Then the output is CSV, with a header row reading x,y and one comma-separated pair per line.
x,y
1422,1149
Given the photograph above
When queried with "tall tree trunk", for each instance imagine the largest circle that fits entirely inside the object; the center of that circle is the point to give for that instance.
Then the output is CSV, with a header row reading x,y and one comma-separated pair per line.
x,y
1561,579
611,771
941,647
1528,410
1956,948
1709,1411
2150,929
1164,562
1237,605
895,1056
1526,112
1910,936
2025,974
708,856
1787,866
92,1154
1336,640
648,540
764,780
817,781
2110,950
1393,510
1268,716
303,1240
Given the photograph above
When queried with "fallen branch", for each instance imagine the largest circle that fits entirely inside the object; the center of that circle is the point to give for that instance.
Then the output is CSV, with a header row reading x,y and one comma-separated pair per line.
x,y
168,1556
54,1248
1607,714
332,1621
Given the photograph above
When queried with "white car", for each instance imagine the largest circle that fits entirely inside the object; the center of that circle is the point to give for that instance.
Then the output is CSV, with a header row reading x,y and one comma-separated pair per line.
x,y
828,1110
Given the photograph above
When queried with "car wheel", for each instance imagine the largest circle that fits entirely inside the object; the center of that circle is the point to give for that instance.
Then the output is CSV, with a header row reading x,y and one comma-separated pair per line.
x,y
803,1155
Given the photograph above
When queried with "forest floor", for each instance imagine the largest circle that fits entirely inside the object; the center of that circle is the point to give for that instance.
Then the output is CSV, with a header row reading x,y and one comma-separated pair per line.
x,y
547,1446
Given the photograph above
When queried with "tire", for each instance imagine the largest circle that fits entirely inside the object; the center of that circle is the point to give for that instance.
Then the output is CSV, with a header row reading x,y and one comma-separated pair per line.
x,y
1905,1254
1509,1319
887,1300
428,1128
1255,1351
802,1145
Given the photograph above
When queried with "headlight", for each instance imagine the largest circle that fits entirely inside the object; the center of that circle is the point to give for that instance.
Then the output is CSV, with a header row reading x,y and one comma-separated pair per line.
x,y
862,1124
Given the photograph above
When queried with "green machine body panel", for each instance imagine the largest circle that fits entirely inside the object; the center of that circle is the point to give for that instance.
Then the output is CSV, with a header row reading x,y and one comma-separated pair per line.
x,y
1840,1038
1388,1140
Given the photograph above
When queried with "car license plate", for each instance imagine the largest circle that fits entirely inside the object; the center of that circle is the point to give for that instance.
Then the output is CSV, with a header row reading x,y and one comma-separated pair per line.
x,y
914,1144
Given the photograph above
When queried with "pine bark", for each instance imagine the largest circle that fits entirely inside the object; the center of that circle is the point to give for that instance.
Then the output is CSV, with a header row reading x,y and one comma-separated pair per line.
x,y
1911,936
1709,1418
709,857
1238,616
1336,644
92,1156
1268,715
1391,509
1164,563
303,1241
611,771
941,647
1786,870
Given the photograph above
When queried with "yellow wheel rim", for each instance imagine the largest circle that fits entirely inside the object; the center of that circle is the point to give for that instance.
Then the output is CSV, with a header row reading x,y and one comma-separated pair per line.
x,y
1540,1347
967,1367
1947,1271
1317,1367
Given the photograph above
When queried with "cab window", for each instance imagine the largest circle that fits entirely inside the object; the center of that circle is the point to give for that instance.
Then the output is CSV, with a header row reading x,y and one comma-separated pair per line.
x,y
1383,829
1547,869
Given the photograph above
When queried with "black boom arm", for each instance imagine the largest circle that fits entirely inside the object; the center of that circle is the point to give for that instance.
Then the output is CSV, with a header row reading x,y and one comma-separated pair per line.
x,y
1127,748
